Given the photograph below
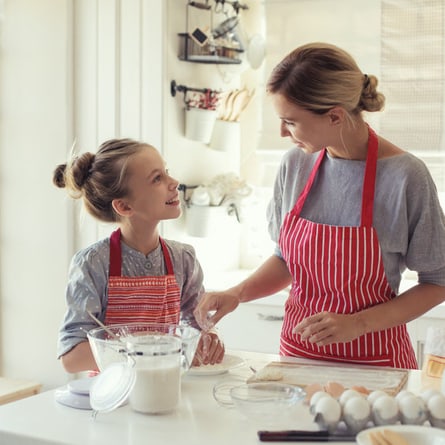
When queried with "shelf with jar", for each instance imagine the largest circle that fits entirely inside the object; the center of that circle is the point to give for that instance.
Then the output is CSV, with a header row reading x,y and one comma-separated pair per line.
x,y
210,52
203,42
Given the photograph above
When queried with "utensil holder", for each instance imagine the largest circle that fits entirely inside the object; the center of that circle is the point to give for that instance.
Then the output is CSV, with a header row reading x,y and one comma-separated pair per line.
x,y
199,124
204,221
225,136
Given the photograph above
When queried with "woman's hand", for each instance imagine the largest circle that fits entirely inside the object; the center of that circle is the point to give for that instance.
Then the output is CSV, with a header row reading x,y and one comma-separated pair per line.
x,y
221,303
326,328
210,350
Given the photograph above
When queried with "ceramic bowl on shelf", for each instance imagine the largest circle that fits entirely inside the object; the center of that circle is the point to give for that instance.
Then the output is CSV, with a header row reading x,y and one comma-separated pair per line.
x,y
269,404
113,343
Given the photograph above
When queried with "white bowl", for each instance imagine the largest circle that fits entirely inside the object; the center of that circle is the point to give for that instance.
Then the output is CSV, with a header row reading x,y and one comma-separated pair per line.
x,y
413,434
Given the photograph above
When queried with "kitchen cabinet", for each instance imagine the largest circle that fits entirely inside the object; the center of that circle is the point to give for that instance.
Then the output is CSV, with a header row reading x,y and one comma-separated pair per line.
x,y
255,326
417,329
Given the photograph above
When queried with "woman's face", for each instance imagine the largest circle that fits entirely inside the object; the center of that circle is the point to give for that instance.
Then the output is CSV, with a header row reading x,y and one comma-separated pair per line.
x,y
153,193
307,130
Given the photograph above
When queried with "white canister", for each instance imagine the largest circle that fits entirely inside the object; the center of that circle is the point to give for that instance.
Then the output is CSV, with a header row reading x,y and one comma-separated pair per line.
x,y
226,136
205,221
199,124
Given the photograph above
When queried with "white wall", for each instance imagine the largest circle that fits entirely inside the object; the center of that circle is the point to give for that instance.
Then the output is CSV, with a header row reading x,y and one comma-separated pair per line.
x,y
82,70
35,132
118,75
193,162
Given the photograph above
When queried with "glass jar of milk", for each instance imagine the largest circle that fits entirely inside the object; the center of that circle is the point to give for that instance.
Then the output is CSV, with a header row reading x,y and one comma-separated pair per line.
x,y
157,363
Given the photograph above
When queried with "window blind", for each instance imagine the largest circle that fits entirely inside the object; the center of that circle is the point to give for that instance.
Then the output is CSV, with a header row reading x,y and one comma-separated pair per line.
x,y
400,41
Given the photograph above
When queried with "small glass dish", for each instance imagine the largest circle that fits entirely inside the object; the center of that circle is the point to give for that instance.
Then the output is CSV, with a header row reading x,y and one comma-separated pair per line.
x,y
269,403
222,388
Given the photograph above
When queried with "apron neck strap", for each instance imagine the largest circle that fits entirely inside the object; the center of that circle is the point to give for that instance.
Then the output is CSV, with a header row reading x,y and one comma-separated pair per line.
x,y
167,258
369,179
307,188
116,255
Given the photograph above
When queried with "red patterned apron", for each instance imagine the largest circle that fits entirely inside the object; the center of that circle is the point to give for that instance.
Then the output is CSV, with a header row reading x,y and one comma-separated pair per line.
x,y
339,269
141,299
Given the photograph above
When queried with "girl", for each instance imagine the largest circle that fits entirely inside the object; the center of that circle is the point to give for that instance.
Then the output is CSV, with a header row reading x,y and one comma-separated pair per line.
x,y
135,275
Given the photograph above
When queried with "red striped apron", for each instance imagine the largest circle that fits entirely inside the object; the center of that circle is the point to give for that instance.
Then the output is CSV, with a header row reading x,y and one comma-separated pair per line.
x,y
141,299
339,269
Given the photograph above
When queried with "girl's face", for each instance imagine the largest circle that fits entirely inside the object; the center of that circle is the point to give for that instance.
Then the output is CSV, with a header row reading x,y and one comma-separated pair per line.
x,y
307,130
153,194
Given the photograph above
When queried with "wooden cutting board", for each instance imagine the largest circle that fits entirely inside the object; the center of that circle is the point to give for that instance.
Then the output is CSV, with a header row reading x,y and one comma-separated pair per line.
x,y
372,378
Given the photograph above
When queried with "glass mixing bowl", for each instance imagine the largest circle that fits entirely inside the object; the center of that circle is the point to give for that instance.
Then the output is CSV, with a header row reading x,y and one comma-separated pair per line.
x,y
114,343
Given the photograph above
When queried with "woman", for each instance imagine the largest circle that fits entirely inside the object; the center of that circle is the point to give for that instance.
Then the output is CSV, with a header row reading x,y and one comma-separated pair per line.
x,y
350,212
135,275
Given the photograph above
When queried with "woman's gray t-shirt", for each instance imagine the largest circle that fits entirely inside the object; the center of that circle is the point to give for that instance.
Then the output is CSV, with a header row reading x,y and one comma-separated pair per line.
x,y
407,216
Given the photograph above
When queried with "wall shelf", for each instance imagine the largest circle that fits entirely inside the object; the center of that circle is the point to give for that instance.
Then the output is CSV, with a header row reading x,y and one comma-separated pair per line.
x,y
192,52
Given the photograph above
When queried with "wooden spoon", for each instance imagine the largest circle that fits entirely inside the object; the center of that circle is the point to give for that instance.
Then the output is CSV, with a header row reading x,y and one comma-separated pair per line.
x,y
228,106
239,104
223,105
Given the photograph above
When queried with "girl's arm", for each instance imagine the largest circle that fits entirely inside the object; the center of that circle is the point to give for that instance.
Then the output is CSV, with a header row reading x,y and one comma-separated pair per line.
x,y
80,358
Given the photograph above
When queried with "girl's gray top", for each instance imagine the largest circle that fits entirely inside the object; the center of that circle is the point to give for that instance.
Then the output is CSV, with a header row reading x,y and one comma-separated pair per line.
x,y
408,218
87,287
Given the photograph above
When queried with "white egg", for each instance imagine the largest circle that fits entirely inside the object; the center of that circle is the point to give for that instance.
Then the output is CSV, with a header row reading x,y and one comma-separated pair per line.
x,y
413,410
348,394
328,412
356,413
402,394
428,393
436,408
315,398
385,410
374,395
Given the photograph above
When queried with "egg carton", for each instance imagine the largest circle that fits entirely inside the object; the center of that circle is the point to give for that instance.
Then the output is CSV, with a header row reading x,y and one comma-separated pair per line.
x,y
354,411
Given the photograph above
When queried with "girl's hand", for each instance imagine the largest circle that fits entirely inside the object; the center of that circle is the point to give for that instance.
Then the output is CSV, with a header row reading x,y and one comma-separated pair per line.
x,y
326,328
210,350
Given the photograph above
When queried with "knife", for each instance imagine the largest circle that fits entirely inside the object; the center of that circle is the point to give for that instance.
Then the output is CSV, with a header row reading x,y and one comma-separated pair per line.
x,y
304,436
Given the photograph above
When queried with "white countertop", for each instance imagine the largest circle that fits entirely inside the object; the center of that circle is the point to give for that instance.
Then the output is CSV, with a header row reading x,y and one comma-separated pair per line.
x,y
199,420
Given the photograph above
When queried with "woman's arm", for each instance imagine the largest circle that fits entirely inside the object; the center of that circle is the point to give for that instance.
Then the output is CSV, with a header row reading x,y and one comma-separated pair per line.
x,y
269,278
327,327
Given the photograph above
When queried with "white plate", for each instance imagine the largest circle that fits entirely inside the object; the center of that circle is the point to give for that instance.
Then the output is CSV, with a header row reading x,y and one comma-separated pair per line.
x,y
229,362
415,435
